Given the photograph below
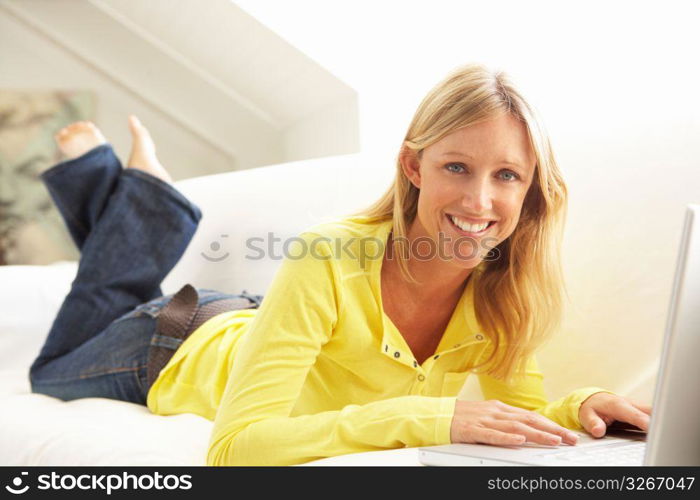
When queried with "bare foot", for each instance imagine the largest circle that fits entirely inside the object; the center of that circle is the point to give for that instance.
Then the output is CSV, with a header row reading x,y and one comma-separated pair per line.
x,y
78,138
143,151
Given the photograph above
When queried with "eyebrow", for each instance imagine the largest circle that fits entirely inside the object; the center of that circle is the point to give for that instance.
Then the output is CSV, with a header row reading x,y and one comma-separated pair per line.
x,y
502,162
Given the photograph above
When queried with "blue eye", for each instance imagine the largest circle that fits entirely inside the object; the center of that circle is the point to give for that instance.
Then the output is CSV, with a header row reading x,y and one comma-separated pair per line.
x,y
458,165
515,176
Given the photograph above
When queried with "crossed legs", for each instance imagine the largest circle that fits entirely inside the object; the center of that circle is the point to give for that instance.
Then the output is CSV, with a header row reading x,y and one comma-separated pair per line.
x,y
131,226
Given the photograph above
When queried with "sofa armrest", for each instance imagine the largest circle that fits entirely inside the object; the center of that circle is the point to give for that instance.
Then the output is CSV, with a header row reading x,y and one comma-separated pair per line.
x,y
29,299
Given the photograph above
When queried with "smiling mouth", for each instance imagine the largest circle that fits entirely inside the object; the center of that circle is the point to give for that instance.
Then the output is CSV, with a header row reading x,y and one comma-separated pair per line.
x,y
468,233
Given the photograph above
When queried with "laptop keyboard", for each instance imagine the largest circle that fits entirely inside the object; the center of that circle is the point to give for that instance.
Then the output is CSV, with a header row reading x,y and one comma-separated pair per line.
x,y
626,453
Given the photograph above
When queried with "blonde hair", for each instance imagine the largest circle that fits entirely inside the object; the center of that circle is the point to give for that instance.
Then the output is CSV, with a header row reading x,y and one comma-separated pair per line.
x,y
518,298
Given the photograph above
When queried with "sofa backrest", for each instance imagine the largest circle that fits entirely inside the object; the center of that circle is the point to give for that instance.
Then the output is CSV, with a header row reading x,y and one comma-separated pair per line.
x,y
244,210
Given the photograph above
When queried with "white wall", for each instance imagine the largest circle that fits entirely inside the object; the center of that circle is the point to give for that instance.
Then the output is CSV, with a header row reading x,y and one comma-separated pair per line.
x,y
616,84
329,131
29,60
226,93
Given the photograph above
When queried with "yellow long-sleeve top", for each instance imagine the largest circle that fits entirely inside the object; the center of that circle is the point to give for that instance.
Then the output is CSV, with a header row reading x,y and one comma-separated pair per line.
x,y
320,370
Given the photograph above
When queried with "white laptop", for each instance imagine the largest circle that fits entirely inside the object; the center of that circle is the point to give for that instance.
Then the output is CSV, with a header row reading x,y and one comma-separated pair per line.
x,y
674,433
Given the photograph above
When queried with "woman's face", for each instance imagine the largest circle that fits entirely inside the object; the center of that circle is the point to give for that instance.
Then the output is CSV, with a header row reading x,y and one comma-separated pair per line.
x,y
476,175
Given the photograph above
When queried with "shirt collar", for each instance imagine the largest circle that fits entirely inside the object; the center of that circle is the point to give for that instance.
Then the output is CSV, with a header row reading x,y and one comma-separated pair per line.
x,y
462,330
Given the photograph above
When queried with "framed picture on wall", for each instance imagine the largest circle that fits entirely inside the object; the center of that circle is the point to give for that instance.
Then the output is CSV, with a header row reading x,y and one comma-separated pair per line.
x,y
31,230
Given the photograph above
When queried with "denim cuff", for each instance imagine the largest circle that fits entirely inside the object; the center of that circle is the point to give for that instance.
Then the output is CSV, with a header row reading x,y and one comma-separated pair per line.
x,y
85,157
167,188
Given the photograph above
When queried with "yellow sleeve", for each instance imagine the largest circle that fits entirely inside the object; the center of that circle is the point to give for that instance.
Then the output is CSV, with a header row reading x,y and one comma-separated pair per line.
x,y
529,394
253,425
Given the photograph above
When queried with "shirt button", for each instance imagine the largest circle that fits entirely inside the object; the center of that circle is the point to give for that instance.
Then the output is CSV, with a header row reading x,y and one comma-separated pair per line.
x,y
397,354
479,336
436,356
415,364
421,377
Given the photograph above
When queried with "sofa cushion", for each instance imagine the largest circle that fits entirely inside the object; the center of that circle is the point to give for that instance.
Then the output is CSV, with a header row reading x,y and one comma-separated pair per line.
x,y
281,199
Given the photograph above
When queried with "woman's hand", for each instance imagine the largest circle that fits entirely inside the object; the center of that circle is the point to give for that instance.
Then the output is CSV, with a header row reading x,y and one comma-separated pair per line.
x,y
602,409
494,422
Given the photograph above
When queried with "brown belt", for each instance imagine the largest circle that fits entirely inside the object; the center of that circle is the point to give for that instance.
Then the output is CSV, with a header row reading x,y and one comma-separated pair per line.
x,y
179,318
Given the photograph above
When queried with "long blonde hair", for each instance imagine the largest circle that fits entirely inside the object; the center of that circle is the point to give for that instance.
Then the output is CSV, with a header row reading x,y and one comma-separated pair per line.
x,y
518,298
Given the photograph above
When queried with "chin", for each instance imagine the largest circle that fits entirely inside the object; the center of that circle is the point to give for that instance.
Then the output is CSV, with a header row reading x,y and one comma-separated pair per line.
x,y
467,265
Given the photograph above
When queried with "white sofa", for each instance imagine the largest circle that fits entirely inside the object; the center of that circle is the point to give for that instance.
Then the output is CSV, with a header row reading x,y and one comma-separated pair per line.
x,y
281,199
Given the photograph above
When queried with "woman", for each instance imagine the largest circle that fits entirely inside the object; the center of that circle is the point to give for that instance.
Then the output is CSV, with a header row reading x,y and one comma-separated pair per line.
x,y
370,326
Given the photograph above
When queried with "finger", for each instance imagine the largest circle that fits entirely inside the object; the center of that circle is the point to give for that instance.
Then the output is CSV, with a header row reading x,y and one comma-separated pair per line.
x,y
641,406
637,417
596,427
592,422
624,410
495,437
543,424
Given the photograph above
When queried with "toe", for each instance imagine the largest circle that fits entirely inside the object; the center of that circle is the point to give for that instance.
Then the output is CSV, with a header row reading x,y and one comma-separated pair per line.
x,y
139,132
134,126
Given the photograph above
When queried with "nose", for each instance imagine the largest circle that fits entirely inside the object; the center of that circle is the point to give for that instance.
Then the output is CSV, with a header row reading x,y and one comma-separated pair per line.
x,y
478,196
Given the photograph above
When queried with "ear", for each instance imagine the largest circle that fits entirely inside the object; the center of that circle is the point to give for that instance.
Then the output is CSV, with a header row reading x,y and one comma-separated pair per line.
x,y
410,164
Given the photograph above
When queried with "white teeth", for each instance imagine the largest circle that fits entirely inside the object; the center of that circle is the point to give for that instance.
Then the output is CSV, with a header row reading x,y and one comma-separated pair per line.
x,y
470,228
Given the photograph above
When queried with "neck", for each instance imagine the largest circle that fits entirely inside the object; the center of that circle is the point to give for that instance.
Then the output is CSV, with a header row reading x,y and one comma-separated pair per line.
x,y
438,279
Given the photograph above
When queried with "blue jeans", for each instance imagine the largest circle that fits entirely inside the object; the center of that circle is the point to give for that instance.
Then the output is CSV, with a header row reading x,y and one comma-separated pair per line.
x,y
131,229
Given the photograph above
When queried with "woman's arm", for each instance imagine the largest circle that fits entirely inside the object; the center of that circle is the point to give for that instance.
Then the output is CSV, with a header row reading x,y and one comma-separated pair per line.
x,y
253,424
